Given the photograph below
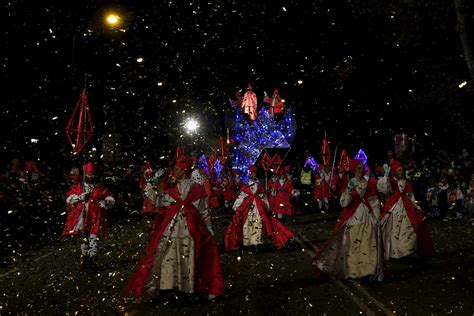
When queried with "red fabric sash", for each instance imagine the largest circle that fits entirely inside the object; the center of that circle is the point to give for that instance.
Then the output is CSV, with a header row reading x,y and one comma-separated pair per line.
x,y
208,273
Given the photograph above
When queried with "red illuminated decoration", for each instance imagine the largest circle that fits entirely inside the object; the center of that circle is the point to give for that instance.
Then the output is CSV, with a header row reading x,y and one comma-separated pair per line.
x,y
79,129
221,150
211,161
344,161
265,162
325,151
276,162
178,153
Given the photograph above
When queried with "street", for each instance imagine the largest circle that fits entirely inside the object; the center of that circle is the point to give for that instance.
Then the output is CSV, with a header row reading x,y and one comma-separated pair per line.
x,y
50,280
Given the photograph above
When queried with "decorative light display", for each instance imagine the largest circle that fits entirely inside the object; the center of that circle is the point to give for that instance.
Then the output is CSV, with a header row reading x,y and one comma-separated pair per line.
x,y
310,161
252,138
344,161
361,156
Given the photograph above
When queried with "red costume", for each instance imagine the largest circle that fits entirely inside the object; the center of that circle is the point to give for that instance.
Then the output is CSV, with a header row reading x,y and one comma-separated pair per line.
x,y
250,200
181,221
86,212
276,105
321,189
281,191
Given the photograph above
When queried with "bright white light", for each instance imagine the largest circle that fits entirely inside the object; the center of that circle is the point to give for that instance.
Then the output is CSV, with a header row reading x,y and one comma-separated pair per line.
x,y
462,84
191,125
300,81
34,140
160,84
139,60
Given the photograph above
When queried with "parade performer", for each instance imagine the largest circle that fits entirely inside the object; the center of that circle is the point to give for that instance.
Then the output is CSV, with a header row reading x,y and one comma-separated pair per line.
x,y
87,203
182,254
230,187
404,226
201,177
249,103
146,184
251,219
276,105
281,191
354,249
321,192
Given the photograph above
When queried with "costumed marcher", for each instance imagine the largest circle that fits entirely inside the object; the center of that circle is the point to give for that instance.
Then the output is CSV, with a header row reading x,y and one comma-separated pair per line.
x,y
230,187
251,219
74,176
281,191
339,182
146,183
321,192
354,249
87,203
276,105
404,227
201,177
249,103
182,254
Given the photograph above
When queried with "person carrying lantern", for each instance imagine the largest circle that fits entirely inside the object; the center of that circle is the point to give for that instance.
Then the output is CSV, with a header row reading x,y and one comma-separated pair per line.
x,y
87,203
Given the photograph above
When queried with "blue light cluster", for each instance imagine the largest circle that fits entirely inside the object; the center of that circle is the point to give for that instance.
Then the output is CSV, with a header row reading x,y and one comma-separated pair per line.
x,y
252,138
361,156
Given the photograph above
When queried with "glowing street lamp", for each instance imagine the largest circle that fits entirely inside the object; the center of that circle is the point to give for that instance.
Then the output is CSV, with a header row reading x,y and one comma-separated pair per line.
x,y
191,126
113,19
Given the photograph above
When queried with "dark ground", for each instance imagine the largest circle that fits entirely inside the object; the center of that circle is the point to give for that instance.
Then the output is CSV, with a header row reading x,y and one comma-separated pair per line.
x,y
49,280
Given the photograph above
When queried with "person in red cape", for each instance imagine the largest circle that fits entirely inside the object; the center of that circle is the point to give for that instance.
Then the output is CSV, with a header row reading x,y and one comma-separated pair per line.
x,y
87,203
354,248
404,228
251,219
230,187
281,191
339,182
182,254
321,191
275,105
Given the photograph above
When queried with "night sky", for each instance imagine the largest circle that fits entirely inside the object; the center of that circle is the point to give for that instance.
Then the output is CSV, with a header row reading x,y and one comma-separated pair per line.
x,y
359,70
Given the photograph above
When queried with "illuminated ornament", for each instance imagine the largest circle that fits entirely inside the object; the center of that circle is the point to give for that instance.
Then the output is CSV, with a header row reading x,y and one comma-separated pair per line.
x,y
218,166
361,156
202,163
221,150
325,151
276,162
79,129
265,162
310,161
344,161
211,161
179,152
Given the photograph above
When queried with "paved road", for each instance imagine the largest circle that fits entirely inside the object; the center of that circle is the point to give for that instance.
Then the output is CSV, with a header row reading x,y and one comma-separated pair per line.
x,y
50,280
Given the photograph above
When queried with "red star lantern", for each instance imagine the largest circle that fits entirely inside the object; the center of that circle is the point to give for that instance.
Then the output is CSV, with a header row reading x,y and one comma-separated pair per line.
x,y
79,129
265,162
344,161
325,152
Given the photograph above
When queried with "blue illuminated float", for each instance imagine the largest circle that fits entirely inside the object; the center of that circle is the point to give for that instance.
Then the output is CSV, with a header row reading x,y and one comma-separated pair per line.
x,y
252,138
